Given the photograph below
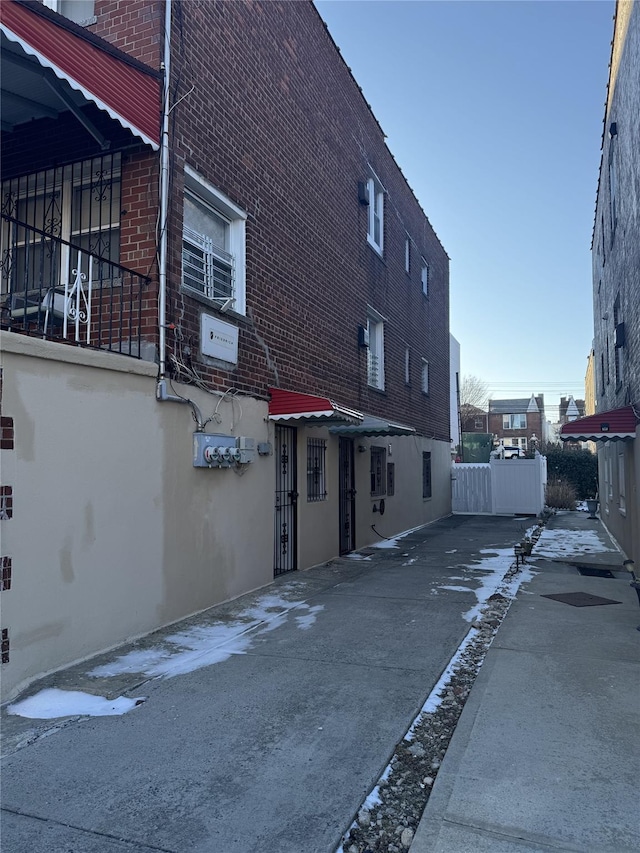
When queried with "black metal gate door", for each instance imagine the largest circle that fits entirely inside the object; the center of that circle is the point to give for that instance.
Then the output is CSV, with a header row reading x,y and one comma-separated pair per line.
x,y
347,497
286,515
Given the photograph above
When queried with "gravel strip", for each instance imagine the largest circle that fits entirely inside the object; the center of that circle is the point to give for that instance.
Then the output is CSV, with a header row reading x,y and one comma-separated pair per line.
x,y
389,817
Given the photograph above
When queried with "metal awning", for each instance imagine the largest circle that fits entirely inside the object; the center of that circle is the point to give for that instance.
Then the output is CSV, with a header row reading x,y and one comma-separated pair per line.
x,y
614,425
371,426
294,406
49,67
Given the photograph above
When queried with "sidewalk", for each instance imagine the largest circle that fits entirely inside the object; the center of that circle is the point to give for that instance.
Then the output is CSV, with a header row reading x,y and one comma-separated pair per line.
x,y
546,753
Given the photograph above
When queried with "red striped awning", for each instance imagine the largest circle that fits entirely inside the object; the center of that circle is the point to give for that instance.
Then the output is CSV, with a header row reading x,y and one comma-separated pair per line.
x,y
123,89
292,405
614,425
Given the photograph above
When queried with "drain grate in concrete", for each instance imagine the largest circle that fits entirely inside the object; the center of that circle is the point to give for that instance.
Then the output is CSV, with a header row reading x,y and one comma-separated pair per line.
x,y
581,599
592,572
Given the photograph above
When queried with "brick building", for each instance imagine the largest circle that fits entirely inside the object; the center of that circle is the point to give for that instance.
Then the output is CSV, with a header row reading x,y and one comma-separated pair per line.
x,y
616,292
193,232
515,422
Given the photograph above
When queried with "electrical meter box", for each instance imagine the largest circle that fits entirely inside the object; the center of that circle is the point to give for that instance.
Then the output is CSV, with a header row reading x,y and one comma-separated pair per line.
x,y
213,451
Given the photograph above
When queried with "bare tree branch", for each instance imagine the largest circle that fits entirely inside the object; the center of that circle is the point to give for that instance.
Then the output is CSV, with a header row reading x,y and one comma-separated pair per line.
x,y
474,393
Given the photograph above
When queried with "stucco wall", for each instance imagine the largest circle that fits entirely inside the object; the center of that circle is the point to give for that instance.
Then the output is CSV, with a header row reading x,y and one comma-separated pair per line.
x,y
319,521
113,532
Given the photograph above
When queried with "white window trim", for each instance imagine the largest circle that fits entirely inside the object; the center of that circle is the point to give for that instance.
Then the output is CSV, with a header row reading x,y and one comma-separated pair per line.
x,y
507,421
237,235
425,377
375,194
424,277
57,6
376,348
622,489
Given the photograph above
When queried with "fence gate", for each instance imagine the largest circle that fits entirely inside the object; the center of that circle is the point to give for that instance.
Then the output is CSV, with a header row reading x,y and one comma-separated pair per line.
x,y
347,497
286,514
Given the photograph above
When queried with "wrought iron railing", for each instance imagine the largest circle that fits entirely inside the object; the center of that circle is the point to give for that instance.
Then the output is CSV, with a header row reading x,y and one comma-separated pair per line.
x,y
61,291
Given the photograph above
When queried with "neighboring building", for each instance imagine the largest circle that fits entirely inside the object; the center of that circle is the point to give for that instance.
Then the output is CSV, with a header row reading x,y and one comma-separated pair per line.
x,y
570,409
454,384
516,422
225,348
474,419
616,292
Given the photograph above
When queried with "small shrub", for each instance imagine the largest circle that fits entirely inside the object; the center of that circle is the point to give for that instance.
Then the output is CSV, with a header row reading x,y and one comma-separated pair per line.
x,y
561,494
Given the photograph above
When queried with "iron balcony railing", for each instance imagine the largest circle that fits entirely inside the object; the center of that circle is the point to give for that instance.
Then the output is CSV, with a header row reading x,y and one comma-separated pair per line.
x,y
62,291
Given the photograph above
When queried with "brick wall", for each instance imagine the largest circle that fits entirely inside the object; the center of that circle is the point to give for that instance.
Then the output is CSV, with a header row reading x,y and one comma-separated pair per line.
x,y
276,122
134,26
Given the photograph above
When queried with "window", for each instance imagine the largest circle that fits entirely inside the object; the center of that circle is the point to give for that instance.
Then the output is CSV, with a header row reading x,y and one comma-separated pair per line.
x,y
424,277
514,422
426,475
608,476
391,479
613,213
407,255
478,423
622,500
375,229
375,352
316,490
407,366
617,359
80,11
78,204
378,472
425,376
213,246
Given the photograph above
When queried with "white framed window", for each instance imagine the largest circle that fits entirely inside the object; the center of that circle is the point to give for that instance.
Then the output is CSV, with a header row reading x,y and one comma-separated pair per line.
x,y
375,352
622,489
425,376
407,255
213,245
514,421
80,11
608,476
375,229
407,366
378,471
424,277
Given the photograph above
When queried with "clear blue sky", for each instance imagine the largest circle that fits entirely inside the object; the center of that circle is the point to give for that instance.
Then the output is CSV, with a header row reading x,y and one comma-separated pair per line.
x,y
494,111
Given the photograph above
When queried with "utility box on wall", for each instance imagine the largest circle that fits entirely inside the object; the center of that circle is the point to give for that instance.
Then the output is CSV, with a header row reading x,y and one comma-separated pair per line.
x,y
222,451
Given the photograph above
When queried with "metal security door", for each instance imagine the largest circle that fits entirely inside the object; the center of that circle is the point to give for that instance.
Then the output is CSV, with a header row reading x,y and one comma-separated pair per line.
x,y
286,511
347,497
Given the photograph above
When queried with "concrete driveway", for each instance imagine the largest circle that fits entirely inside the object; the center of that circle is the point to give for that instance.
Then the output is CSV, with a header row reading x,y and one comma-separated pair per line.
x,y
266,721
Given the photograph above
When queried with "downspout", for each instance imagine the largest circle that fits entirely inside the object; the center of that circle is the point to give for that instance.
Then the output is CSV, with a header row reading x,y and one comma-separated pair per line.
x,y
161,389
164,195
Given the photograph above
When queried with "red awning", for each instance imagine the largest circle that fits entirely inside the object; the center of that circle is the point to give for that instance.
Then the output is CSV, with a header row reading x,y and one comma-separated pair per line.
x,y
291,405
615,425
124,90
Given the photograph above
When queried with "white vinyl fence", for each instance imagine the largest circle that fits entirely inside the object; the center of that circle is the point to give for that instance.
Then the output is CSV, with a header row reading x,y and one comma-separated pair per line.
x,y
500,487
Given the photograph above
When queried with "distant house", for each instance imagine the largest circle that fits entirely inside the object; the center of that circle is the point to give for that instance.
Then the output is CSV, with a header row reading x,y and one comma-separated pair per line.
x,y
473,419
615,253
571,409
516,422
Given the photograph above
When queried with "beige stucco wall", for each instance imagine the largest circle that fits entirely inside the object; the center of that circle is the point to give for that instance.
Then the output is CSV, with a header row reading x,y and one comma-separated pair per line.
x,y
624,525
318,522
114,532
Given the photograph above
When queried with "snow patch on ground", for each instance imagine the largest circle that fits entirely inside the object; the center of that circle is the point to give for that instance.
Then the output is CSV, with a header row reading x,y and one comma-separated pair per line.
x,y
51,703
491,570
563,543
204,645
355,556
